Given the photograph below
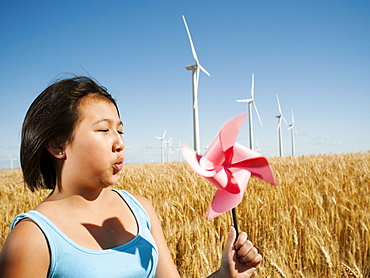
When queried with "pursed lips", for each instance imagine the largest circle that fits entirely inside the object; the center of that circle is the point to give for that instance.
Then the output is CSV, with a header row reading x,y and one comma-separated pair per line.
x,y
118,165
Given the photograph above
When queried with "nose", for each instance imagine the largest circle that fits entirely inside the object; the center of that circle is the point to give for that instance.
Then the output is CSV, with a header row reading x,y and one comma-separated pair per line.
x,y
119,144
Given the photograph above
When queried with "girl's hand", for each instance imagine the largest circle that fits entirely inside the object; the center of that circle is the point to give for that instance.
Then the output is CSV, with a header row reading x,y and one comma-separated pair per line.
x,y
239,258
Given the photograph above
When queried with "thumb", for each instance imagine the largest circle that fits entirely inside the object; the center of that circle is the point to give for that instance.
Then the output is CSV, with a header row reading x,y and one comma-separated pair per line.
x,y
228,252
230,240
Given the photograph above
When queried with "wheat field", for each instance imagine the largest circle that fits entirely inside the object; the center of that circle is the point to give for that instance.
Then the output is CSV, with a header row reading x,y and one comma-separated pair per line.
x,y
314,223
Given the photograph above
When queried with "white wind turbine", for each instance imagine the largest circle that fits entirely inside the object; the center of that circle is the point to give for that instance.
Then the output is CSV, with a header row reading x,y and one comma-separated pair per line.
x,y
250,101
12,159
162,144
258,149
280,118
195,82
179,150
293,130
169,149
206,148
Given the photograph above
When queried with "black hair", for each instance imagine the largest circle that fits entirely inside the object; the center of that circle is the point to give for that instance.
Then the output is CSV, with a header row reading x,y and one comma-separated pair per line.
x,y
50,121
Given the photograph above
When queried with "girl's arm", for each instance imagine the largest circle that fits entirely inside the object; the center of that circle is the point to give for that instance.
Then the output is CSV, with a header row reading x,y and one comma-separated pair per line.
x,y
239,257
166,266
25,252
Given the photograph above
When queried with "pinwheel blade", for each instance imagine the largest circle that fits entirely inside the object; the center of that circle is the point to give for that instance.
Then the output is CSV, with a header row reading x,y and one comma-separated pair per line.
x,y
223,202
225,139
193,160
228,166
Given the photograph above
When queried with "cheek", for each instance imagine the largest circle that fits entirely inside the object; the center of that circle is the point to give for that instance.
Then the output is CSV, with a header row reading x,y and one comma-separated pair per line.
x,y
88,152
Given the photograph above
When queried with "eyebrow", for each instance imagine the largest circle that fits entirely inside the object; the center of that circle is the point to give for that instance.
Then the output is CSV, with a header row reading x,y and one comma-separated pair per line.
x,y
110,121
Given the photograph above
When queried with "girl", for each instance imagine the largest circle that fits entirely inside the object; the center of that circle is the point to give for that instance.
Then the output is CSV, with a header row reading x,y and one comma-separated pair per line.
x,y
72,143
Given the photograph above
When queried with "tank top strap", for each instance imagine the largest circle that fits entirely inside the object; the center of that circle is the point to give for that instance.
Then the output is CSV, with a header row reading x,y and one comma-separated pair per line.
x,y
45,226
135,206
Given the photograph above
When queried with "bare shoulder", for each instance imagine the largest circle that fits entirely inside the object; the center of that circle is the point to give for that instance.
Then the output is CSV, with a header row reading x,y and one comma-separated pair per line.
x,y
147,205
25,252
144,202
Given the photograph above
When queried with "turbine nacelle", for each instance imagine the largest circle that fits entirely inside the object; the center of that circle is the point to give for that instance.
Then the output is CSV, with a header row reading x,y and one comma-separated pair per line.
x,y
249,100
245,100
292,125
193,67
169,142
280,116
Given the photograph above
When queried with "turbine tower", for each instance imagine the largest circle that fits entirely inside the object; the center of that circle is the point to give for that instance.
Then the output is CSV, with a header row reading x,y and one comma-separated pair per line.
x,y
250,101
162,145
292,130
195,82
280,118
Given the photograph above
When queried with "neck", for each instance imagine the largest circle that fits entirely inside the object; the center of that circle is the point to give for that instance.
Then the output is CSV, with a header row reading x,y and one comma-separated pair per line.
x,y
77,198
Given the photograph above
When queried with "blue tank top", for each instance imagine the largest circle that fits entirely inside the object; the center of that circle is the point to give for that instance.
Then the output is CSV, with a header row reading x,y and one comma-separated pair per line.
x,y
137,258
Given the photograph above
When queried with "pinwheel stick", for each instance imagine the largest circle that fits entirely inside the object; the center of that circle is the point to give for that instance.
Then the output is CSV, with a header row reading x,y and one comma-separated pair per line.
x,y
235,220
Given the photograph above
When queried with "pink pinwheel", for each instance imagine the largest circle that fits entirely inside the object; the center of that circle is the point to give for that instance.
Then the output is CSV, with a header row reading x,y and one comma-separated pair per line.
x,y
228,165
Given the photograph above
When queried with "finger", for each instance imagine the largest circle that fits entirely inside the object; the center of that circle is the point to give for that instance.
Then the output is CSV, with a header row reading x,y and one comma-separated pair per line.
x,y
242,238
251,257
255,262
245,248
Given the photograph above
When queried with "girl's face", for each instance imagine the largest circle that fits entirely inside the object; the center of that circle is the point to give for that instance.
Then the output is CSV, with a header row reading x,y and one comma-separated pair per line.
x,y
95,155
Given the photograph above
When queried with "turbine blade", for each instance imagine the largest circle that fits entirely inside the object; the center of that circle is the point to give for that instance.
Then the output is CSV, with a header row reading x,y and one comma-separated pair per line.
x,y
293,125
164,134
284,119
191,42
258,114
169,142
204,70
277,98
252,88
244,100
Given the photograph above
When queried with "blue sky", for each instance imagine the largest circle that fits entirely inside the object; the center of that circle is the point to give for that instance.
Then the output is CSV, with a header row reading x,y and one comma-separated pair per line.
x,y
314,54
